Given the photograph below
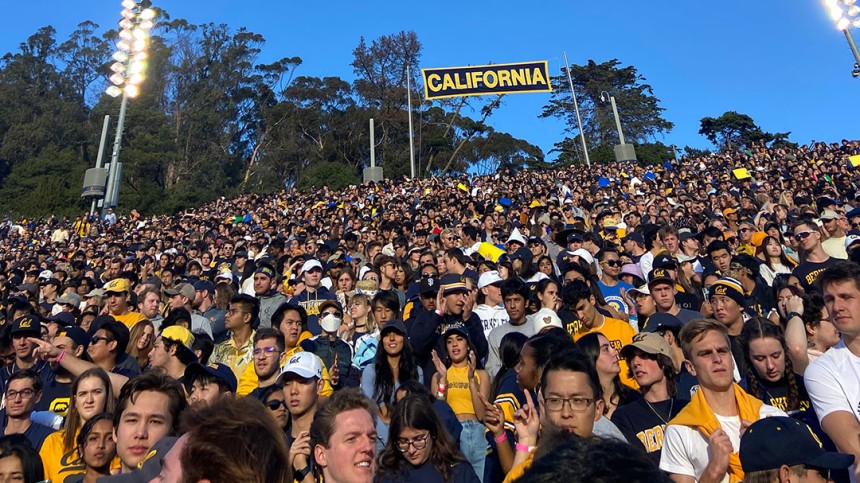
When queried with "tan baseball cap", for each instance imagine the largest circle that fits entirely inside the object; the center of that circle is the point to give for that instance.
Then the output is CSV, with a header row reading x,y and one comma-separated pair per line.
x,y
649,343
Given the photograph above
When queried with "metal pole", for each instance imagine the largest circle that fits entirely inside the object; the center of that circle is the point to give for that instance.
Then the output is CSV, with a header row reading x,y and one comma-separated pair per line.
x,y
617,120
112,194
852,45
101,155
372,146
411,143
576,109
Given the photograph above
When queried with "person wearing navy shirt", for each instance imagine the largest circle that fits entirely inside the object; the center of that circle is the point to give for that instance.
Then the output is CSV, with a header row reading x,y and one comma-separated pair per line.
x,y
23,391
453,306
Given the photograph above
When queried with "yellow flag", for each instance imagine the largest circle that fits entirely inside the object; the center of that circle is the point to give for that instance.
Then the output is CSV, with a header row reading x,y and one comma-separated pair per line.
x,y
463,187
855,160
741,173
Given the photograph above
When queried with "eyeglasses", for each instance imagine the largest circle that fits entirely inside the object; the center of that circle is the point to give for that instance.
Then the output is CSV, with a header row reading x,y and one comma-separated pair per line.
x,y
577,404
743,230
96,339
268,351
275,404
613,263
802,235
24,393
418,443
233,311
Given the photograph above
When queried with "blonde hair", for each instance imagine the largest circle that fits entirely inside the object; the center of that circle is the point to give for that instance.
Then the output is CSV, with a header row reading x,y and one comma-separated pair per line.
x,y
370,324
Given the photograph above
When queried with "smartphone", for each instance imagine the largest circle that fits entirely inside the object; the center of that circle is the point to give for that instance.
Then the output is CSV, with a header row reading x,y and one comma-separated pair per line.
x,y
706,292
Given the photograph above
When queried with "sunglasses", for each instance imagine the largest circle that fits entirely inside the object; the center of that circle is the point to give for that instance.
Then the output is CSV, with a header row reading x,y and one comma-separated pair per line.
x,y
802,235
613,263
275,404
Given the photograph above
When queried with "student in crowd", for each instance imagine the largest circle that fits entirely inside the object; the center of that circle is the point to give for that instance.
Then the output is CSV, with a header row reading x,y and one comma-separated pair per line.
x,y
420,449
605,359
393,365
231,440
701,442
643,421
784,450
19,461
515,295
339,459
273,398
92,394
832,379
464,385
302,381
23,392
571,402
96,447
207,384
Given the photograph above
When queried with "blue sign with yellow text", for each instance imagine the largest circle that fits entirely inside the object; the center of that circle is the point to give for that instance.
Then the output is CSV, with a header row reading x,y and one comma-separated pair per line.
x,y
481,80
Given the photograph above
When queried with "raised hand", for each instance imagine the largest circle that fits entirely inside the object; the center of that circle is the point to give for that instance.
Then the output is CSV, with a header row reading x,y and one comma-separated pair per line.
x,y
494,417
527,422
439,365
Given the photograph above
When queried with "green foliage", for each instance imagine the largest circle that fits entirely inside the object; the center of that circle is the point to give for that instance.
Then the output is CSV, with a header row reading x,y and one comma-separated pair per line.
x,y
333,174
734,130
212,120
646,153
638,108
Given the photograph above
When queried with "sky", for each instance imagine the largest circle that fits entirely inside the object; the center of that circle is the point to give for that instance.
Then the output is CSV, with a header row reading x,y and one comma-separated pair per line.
x,y
782,62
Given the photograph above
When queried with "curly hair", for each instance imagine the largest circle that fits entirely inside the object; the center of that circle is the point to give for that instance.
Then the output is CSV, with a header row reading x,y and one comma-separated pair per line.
x,y
761,328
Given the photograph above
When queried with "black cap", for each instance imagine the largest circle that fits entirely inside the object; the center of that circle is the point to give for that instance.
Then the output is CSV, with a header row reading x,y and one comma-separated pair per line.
x,y
635,236
575,236
27,324
457,328
393,325
664,260
428,285
775,441
659,275
660,321
216,370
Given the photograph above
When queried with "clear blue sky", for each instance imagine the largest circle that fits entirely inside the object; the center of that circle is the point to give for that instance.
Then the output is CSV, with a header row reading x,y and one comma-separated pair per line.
x,y
783,63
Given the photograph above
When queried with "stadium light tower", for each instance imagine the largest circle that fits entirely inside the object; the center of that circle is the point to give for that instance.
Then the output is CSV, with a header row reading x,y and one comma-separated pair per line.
x,y
623,151
846,14
128,73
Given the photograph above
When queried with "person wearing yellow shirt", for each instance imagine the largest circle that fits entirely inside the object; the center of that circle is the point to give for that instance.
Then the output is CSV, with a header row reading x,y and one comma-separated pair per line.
x,y
243,316
117,298
289,320
618,332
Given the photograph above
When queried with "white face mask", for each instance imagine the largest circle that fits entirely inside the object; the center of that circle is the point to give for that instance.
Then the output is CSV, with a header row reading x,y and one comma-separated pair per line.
x,y
330,323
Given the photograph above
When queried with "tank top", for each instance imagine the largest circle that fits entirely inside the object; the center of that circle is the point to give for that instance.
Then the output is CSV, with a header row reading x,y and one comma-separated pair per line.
x,y
459,397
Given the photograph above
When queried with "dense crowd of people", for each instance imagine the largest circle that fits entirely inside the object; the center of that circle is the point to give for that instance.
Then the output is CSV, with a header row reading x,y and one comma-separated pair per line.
x,y
694,321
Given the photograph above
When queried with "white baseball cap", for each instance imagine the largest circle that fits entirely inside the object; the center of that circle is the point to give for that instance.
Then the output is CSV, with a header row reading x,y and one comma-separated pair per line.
x,y
303,364
46,275
544,318
311,264
490,277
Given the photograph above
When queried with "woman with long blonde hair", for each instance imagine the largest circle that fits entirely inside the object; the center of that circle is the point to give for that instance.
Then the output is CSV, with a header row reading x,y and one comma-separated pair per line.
x,y
359,330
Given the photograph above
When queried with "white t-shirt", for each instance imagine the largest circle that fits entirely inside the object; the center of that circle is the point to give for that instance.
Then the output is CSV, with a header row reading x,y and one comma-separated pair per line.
x,y
685,449
646,262
833,382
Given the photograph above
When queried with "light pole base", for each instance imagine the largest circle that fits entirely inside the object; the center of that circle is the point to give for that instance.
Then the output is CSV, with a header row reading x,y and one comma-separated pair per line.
x,y
624,152
373,174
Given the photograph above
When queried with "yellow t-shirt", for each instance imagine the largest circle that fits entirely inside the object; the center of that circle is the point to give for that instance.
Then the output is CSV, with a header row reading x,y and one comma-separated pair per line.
x,y
129,319
619,334
459,396
249,381
59,463
518,470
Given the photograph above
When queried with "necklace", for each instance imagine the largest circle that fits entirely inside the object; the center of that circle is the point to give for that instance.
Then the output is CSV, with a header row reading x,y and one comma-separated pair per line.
x,y
668,416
